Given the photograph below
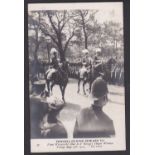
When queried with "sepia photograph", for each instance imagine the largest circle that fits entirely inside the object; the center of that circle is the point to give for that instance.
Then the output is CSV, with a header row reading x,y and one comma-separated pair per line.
x,y
76,77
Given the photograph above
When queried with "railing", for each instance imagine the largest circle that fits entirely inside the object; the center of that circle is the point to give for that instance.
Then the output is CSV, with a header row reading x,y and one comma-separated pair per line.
x,y
74,69
116,77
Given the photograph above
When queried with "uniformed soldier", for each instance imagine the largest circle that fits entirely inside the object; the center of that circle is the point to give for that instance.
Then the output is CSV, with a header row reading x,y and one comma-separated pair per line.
x,y
86,59
82,71
97,59
92,121
54,65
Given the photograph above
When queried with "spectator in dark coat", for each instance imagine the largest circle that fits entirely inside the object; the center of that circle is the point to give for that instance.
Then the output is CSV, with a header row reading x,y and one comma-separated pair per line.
x,y
50,126
92,121
44,122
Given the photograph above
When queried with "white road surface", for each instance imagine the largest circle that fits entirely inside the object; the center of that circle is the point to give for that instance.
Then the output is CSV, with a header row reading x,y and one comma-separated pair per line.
x,y
115,108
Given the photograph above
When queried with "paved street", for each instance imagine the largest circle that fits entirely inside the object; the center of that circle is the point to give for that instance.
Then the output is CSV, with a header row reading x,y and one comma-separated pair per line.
x,y
115,108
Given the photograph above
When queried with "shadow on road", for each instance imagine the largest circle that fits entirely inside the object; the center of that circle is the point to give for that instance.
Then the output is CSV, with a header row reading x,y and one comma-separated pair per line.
x,y
72,81
115,102
116,93
69,111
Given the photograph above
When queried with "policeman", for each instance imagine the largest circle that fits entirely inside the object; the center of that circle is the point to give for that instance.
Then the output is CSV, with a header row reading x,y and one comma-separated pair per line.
x,y
92,121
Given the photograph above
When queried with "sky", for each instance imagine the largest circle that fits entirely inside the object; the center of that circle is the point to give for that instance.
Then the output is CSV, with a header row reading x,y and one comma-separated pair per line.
x,y
106,10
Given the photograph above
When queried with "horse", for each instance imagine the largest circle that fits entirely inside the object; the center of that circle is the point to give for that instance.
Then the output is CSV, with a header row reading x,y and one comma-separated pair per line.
x,y
103,70
60,77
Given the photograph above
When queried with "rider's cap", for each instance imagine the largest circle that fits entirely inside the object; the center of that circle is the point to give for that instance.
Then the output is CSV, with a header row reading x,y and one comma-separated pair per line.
x,y
85,51
54,103
53,50
98,50
99,88
84,63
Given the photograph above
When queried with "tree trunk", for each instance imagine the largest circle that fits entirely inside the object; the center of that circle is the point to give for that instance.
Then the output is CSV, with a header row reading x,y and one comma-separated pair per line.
x,y
62,55
86,44
35,53
48,52
61,51
84,31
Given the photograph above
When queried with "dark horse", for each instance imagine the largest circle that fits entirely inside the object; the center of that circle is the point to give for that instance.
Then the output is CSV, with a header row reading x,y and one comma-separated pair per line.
x,y
101,70
60,77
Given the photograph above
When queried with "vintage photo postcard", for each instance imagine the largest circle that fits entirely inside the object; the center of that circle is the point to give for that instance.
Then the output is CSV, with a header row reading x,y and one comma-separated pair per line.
x,y
76,60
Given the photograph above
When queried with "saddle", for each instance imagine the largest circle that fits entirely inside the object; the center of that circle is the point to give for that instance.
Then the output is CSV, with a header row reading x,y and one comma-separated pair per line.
x,y
50,73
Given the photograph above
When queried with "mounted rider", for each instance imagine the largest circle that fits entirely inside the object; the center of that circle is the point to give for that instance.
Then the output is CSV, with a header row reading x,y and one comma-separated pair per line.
x,y
54,64
86,62
97,59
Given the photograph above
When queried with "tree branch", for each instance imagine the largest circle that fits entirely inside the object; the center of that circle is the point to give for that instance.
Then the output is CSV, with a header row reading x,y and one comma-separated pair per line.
x,y
66,45
59,21
52,24
48,34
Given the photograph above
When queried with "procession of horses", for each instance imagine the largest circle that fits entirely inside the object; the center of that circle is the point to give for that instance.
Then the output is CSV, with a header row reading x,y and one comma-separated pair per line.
x,y
45,75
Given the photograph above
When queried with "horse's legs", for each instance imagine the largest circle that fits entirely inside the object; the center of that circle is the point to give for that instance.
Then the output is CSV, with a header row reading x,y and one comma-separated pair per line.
x,y
48,86
79,81
52,86
90,84
63,92
62,88
84,83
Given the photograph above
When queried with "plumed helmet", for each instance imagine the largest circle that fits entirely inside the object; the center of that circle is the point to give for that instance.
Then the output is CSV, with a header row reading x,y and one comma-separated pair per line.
x,y
98,50
99,88
85,51
84,63
53,50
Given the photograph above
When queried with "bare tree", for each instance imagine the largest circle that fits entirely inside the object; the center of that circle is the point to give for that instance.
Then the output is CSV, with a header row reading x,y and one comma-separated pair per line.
x,y
85,20
34,30
58,25
113,33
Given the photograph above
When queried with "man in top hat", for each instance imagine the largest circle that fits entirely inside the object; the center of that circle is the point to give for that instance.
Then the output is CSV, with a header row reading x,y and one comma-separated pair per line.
x,y
50,126
92,121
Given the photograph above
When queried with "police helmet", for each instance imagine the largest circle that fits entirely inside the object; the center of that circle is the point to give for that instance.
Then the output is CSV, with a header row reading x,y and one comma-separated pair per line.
x,y
99,88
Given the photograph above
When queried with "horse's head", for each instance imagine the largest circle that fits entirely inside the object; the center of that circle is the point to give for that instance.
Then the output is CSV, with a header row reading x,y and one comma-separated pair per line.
x,y
65,66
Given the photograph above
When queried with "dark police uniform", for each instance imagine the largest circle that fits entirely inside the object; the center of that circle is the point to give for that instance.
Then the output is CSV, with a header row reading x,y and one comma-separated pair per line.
x,y
93,122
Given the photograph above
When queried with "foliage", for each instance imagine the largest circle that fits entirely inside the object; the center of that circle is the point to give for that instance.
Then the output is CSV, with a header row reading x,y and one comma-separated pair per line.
x,y
70,32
